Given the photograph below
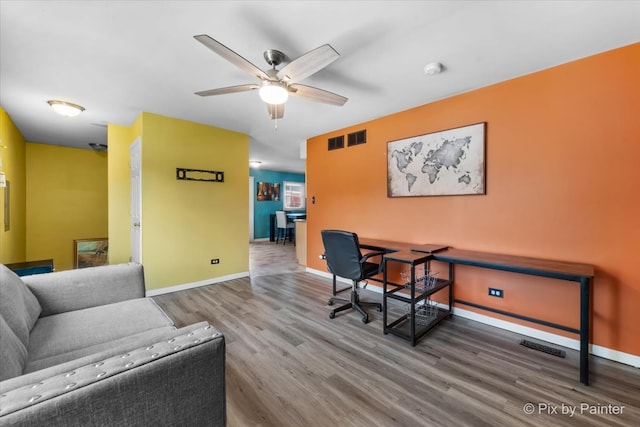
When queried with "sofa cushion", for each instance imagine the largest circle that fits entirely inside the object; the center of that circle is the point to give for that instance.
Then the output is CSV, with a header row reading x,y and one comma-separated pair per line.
x,y
121,345
19,308
82,288
32,376
73,330
13,354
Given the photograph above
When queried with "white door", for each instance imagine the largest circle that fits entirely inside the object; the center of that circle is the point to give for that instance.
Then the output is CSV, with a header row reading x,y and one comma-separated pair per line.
x,y
251,198
136,201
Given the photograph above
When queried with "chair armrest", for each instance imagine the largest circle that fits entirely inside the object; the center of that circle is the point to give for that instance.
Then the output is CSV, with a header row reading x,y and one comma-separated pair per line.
x,y
371,255
70,290
368,255
180,381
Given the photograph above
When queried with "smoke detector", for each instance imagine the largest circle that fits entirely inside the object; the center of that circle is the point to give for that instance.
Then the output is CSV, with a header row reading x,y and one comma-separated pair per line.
x,y
433,68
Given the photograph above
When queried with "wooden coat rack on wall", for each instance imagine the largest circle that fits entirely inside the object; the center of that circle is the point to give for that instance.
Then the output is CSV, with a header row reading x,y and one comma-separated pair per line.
x,y
199,175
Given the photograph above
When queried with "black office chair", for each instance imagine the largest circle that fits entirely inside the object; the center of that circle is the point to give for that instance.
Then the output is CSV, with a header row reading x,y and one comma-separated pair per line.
x,y
344,259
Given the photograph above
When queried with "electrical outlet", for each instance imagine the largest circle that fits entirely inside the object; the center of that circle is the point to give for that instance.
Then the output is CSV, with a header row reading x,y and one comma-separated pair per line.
x,y
493,292
215,261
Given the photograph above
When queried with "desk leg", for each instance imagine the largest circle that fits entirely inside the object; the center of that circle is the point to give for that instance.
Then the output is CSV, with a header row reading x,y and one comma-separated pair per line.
x,y
384,297
413,305
584,330
450,288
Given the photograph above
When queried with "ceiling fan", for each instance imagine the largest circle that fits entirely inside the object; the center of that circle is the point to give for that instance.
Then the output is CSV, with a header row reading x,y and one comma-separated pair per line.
x,y
275,85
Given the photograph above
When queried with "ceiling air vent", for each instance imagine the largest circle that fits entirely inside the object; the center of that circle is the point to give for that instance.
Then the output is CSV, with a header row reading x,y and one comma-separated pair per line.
x,y
336,142
357,138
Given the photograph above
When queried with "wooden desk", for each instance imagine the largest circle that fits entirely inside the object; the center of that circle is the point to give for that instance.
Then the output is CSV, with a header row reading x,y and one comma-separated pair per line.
x,y
569,271
382,245
573,272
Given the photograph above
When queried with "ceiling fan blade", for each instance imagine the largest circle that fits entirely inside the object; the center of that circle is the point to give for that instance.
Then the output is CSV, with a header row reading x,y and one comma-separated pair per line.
x,y
308,64
229,89
316,94
231,56
275,111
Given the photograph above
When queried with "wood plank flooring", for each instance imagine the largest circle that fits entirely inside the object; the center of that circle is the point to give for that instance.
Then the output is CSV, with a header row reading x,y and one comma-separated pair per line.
x,y
288,364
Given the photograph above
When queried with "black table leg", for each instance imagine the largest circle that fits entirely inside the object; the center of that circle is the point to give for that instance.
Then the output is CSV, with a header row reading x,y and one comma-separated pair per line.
x,y
584,330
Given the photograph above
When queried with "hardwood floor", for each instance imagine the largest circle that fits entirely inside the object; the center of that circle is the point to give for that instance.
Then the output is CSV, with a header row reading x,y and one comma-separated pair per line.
x,y
288,364
268,258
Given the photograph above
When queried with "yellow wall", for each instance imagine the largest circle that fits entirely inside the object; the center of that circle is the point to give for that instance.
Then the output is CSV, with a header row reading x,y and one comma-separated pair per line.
x,y
12,152
184,223
66,200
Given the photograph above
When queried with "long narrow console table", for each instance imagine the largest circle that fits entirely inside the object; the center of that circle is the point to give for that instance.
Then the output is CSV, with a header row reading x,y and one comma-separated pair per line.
x,y
569,271
573,272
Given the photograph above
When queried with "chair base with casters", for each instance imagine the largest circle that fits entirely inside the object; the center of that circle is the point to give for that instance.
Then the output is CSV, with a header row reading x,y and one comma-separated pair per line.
x,y
353,303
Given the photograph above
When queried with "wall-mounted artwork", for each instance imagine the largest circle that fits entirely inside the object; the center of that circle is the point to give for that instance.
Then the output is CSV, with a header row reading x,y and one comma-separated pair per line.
x,y
448,162
268,191
90,252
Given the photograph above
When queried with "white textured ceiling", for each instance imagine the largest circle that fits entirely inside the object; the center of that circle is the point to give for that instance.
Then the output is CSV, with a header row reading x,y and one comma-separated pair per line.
x,y
119,58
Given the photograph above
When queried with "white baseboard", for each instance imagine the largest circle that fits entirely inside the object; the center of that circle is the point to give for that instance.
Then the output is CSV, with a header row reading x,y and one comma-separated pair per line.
x,y
596,350
185,286
262,239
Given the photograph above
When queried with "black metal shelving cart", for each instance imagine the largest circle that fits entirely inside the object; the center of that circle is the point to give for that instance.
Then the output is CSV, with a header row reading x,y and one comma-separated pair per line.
x,y
422,313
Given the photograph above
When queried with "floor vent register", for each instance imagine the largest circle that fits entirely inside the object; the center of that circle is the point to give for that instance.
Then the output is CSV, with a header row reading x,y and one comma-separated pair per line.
x,y
543,348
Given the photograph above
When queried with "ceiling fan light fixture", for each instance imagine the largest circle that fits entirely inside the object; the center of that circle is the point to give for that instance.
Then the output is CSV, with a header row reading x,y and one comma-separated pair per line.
x,y
255,163
273,92
67,109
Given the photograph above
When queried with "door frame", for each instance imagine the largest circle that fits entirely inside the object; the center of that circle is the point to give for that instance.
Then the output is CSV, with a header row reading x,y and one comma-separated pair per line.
x,y
135,161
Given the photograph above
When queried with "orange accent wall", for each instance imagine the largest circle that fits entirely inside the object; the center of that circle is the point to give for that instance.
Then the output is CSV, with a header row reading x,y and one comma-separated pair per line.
x,y
562,182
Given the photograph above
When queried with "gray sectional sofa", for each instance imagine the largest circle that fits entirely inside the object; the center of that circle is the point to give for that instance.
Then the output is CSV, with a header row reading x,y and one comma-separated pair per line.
x,y
86,348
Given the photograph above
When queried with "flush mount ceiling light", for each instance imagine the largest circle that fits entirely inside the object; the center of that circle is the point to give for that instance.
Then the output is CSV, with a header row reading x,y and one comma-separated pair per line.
x,y
98,147
67,109
255,163
433,68
273,92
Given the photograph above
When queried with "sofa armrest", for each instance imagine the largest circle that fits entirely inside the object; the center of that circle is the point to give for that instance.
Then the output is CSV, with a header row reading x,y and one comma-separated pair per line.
x,y
70,290
180,381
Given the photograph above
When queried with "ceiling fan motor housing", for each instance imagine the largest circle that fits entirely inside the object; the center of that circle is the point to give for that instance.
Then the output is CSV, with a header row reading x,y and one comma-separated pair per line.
x,y
273,57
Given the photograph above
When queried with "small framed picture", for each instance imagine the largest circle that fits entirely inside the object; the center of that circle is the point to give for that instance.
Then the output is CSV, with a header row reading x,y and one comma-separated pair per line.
x,y
90,252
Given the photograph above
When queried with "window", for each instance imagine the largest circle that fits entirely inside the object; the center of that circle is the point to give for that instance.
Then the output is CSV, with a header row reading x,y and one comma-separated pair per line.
x,y
293,195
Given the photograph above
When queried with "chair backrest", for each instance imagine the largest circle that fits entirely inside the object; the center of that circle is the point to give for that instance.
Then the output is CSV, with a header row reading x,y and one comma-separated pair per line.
x,y
342,251
281,219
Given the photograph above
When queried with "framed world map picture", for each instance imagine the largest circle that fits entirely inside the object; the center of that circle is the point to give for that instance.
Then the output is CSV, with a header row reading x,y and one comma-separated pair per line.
x,y
448,162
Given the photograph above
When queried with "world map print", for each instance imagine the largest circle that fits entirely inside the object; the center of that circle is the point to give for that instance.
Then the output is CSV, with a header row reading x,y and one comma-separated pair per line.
x,y
442,163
